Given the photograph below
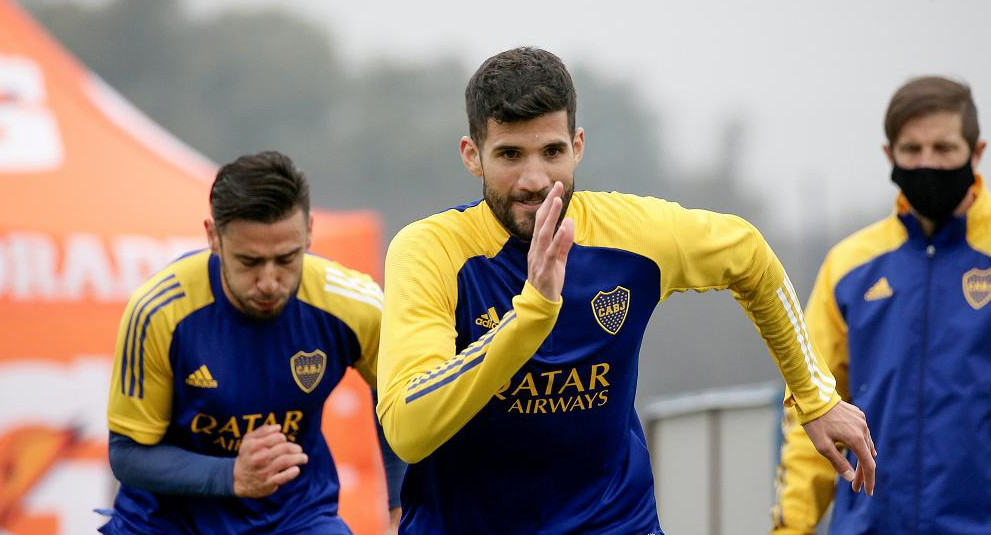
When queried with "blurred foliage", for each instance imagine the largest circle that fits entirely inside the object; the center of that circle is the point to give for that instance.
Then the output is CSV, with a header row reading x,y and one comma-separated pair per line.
x,y
385,137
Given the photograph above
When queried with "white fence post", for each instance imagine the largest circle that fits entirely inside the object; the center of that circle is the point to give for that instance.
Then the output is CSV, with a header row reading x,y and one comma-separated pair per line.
x,y
713,454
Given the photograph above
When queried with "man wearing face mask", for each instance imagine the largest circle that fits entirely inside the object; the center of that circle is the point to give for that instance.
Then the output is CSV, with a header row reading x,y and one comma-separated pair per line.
x,y
900,312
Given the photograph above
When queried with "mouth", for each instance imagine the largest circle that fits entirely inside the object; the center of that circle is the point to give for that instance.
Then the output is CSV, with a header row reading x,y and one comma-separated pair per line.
x,y
266,305
529,205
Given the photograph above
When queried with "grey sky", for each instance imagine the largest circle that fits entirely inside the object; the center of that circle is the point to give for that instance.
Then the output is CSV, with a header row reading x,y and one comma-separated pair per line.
x,y
810,80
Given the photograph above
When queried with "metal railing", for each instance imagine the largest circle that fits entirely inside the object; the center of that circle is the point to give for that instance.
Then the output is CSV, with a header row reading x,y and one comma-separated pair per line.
x,y
714,455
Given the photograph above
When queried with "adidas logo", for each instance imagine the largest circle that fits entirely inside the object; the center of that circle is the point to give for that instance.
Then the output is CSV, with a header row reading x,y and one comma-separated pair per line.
x,y
880,290
489,319
201,378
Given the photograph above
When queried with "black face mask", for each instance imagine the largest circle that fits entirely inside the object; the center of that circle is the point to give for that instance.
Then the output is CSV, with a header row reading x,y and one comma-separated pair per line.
x,y
934,193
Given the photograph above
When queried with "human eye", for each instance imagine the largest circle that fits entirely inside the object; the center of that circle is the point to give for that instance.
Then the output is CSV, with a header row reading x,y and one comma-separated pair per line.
x,y
287,259
509,154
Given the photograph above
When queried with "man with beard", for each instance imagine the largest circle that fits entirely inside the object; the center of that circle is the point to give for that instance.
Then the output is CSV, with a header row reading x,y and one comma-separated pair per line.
x,y
900,312
508,384
224,361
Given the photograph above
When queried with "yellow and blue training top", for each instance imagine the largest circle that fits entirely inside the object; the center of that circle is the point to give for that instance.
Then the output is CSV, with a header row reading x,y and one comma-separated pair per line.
x,y
517,411
903,320
192,371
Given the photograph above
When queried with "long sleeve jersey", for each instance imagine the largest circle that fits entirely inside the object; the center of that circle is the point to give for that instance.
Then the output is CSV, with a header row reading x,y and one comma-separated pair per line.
x,y
517,412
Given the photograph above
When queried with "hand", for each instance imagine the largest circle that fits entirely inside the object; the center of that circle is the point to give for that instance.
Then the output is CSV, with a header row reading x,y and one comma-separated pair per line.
x,y
847,425
549,249
395,515
265,461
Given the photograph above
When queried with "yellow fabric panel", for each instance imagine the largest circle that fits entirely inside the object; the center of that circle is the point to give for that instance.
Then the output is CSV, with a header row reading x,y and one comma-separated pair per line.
x,y
695,249
701,250
979,220
861,247
804,485
146,418
806,480
351,296
828,329
426,391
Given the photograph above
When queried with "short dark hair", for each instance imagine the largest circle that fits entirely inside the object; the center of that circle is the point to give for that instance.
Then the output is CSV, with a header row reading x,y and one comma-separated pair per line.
x,y
264,187
927,95
518,85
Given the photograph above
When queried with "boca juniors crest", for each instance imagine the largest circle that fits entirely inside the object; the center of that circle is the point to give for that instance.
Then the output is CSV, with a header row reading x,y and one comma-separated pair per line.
x,y
308,368
609,309
977,287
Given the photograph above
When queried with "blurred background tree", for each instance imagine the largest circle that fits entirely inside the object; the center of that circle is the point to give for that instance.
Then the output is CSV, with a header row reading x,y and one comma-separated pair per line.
x,y
384,137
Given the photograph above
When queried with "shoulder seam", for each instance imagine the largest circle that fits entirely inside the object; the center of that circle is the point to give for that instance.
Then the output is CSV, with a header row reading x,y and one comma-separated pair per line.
x,y
865,243
354,285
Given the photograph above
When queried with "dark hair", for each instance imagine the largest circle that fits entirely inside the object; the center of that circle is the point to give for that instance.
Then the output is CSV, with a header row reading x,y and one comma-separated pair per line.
x,y
927,95
264,187
518,85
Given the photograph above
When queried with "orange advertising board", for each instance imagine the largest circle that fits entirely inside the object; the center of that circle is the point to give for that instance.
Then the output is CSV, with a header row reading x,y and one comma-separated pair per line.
x,y
94,198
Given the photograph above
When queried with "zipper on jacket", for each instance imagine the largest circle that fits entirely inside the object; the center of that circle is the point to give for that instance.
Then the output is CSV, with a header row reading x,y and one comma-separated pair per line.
x,y
920,409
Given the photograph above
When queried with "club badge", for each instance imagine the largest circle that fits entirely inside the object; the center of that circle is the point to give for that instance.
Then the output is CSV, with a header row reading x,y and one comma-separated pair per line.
x,y
609,309
308,368
977,287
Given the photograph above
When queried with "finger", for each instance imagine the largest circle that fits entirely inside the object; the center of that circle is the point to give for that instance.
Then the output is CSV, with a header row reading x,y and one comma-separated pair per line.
x,y
538,222
283,477
262,431
270,440
858,478
839,462
563,240
251,438
870,469
260,456
865,466
289,448
283,462
265,458
549,222
541,217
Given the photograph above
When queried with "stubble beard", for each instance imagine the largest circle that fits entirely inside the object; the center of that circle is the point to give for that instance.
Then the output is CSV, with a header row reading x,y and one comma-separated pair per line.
x,y
502,206
244,304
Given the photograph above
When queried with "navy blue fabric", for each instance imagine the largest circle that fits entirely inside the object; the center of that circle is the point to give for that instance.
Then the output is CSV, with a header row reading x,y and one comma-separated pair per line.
x,y
576,417
250,361
920,369
170,470
395,468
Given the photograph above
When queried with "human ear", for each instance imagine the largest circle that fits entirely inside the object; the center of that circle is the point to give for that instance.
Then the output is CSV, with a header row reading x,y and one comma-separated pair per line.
x,y
212,236
471,156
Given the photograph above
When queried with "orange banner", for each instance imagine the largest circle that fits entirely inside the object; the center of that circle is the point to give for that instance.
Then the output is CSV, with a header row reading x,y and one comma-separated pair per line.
x,y
94,198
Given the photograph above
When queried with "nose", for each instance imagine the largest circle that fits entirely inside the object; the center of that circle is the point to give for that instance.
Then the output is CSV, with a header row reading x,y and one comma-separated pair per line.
x,y
268,279
928,159
534,176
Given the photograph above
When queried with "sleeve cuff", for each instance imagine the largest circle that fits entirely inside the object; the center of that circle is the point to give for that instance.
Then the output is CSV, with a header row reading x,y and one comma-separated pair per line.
x,y
532,295
806,417
142,434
